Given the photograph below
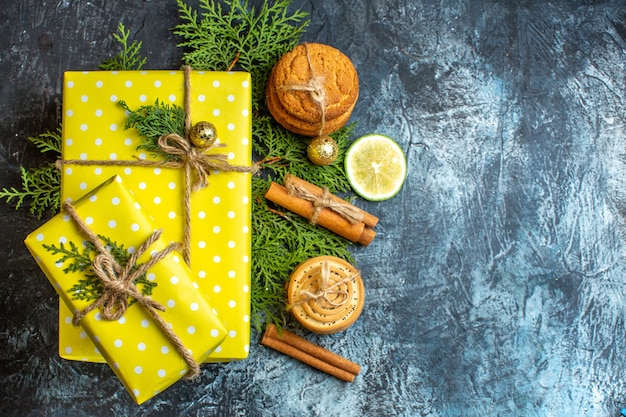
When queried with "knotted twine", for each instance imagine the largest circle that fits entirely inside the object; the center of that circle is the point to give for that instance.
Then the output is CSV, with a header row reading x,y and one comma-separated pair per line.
x,y
189,157
325,290
315,88
119,285
325,200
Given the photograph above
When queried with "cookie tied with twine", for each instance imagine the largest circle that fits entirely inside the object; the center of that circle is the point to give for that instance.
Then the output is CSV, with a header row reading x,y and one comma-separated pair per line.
x,y
312,90
325,294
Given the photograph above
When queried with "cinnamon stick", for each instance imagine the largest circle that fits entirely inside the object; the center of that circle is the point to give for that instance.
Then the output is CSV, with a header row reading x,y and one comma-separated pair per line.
x,y
312,349
310,354
369,219
327,218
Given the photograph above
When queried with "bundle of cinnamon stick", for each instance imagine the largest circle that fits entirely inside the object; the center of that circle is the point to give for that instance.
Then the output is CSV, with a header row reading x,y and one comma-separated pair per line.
x,y
310,353
320,207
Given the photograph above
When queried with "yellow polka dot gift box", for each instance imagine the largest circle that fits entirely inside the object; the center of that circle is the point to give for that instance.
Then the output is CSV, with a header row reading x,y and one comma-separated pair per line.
x,y
147,345
94,131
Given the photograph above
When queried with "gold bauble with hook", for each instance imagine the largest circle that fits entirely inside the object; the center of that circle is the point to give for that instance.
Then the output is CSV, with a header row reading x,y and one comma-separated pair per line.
x,y
203,135
322,150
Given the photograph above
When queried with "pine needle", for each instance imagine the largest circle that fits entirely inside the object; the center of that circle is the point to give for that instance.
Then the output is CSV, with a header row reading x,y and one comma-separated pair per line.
x,y
154,121
48,141
129,57
285,153
41,186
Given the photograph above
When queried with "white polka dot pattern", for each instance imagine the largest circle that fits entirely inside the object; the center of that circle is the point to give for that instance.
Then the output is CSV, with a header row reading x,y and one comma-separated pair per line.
x,y
134,341
220,222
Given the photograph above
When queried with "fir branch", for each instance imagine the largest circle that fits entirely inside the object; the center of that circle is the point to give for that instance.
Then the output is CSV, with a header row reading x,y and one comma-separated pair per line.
x,y
152,122
252,39
87,288
128,58
41,189
48,141
41,186
80,261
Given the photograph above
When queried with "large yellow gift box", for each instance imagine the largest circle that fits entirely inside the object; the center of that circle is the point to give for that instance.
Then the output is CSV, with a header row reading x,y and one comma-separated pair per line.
x,y
93,131
140,353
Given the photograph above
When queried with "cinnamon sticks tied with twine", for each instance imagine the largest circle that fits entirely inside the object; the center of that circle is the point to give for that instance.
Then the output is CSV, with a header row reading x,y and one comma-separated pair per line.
x,y
311,354
321,207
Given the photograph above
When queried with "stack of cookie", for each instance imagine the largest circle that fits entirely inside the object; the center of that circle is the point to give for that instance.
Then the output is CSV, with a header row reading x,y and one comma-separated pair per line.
x,y
312,90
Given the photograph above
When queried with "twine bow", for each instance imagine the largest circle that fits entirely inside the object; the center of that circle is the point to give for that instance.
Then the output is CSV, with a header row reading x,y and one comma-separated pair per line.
x,y
118,285
315,88
194,160
326,290
325,200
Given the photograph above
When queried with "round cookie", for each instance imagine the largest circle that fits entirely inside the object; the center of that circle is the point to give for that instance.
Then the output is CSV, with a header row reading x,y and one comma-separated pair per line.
x,y
312,89
302,127
326,294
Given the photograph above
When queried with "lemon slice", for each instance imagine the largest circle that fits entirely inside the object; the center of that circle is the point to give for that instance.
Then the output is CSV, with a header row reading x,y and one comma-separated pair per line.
x,y
376,167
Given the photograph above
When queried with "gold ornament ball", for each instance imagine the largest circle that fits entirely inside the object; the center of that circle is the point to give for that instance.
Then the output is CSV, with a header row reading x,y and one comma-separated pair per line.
x,y
203,135
322,150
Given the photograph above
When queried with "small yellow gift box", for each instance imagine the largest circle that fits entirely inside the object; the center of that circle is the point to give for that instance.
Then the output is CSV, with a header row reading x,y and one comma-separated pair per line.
x,y
93,131
142,355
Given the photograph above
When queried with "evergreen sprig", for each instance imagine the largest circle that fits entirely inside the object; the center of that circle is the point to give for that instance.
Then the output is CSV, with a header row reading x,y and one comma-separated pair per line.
x,y
154,121
90,286
48,141
239,36
41,186
129,57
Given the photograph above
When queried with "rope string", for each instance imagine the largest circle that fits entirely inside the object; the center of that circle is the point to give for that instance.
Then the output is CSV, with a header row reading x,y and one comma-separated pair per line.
x,y
325,290
325,200
315,88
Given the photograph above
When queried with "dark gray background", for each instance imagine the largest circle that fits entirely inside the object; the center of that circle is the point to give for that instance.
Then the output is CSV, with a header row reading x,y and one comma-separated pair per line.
x,y
496,283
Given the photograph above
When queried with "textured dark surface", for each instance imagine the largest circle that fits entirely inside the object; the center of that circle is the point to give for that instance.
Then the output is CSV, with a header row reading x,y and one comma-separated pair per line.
x,y
496,283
